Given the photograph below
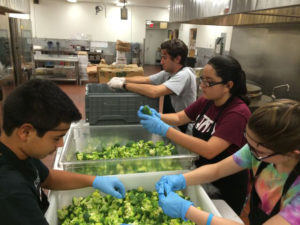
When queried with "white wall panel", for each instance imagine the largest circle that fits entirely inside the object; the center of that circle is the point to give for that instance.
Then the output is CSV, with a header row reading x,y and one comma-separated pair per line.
x,y
59,19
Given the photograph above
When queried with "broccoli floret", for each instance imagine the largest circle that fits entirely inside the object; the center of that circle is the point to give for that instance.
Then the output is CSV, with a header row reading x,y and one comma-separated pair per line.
x,y
62,213
146,110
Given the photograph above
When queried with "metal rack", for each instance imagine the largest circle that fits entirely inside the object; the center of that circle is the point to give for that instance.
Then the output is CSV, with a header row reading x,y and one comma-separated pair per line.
x,y
44,58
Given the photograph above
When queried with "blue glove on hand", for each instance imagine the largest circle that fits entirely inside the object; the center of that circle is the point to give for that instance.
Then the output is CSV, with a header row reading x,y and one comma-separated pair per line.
x,y
173,205
110,185
170,183
153,124
154,112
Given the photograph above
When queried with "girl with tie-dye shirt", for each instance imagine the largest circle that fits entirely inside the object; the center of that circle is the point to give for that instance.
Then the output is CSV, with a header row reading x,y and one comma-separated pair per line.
x,y
273,155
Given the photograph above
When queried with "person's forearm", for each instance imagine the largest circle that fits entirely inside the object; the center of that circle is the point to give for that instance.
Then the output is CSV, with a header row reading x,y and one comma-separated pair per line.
x,y
175,119
172,119
63,180
191,143
149,90
212,172
200,218
138,80
202,175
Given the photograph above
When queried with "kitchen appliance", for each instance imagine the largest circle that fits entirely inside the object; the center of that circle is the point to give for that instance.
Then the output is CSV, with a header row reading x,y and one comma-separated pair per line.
x,y
15,48
257,98
7,79
21,39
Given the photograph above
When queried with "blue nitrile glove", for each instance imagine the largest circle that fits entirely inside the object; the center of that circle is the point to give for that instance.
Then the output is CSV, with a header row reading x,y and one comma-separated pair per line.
x,y
153,124
154,112
173,205
110,185
170,183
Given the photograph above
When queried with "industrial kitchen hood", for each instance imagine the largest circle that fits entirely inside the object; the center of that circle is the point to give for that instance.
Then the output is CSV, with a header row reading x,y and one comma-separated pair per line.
x,y
235,12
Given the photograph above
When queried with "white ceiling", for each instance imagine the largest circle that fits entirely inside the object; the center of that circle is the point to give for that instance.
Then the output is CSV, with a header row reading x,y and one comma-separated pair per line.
x,y
146,3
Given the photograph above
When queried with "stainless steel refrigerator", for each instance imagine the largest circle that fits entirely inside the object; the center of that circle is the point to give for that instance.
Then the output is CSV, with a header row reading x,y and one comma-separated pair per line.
x,y
7,76
16,59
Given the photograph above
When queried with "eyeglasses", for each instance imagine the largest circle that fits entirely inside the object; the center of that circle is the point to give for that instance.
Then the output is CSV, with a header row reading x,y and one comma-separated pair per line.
x,y
259,157
209,83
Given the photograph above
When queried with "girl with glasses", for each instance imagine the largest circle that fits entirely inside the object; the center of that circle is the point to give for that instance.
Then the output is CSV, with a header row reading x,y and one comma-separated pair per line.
x,y
272,154
220,116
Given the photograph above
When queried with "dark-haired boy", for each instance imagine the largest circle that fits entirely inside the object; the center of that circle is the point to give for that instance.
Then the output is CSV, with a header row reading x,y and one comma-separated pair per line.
x,y
36,116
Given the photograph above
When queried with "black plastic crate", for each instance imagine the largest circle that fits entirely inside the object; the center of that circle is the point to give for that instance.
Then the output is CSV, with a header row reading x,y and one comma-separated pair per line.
x,y
105,106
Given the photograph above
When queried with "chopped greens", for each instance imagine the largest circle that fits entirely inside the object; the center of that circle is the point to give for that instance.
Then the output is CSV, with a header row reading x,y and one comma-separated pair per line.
x,y
137,150
139,207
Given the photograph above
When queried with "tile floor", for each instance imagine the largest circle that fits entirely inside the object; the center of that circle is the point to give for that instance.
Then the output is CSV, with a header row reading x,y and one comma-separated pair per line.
x,y
77,94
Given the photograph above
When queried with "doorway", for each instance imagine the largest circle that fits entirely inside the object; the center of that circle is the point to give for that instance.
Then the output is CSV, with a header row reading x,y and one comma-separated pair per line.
x,y
153,40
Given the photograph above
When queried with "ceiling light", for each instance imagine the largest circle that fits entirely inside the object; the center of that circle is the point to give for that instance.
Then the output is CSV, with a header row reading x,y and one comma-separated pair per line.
x,y
73,1
121,3
19,16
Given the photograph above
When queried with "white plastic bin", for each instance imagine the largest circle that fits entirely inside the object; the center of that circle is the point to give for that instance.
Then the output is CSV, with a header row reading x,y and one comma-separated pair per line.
x,y
59,199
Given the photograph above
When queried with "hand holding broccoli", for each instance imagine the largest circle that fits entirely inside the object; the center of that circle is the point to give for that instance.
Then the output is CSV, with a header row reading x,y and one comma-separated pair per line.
x,y
153,123
110,185
173,205
148,111
166,184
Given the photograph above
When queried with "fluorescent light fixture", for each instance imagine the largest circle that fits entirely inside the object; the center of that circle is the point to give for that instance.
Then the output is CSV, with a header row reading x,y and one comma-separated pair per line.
x,y
19,16
73,1
119,4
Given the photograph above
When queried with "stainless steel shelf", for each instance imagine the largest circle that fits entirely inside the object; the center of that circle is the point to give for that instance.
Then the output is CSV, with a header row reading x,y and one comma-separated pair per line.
x,y
58,58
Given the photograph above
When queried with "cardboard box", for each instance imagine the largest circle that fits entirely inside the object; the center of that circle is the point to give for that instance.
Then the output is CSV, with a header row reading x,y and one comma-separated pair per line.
x,y
122,48
105,73
91,69
121,61
93,78
82,53
123,44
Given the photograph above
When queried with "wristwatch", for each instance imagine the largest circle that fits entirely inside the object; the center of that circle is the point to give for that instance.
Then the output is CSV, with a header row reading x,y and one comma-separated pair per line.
x,y
124,86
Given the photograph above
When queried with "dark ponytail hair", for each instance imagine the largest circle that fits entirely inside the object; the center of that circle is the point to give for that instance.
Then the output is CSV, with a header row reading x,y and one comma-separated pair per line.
x,y
229,69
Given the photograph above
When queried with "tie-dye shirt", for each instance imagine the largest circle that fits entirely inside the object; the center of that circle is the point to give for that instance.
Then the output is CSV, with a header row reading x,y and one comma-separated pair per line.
x,y
269,187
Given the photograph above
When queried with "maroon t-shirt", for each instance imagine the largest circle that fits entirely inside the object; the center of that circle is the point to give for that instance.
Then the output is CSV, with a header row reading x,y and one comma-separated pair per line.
x,y
231,124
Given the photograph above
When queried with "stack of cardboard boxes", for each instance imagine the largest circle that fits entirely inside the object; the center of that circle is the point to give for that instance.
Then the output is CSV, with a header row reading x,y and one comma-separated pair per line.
x,y
122,48
106,72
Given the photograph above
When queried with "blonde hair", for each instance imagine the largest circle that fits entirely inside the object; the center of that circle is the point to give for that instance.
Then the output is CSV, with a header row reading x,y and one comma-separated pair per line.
x,y
277,125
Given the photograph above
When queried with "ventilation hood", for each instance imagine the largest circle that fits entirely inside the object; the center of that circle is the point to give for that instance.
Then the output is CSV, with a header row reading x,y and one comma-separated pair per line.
x,y
235,12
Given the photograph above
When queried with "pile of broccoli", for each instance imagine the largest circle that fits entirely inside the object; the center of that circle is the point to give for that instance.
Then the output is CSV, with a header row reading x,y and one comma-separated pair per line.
x,y
140,149
139,207
130,150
